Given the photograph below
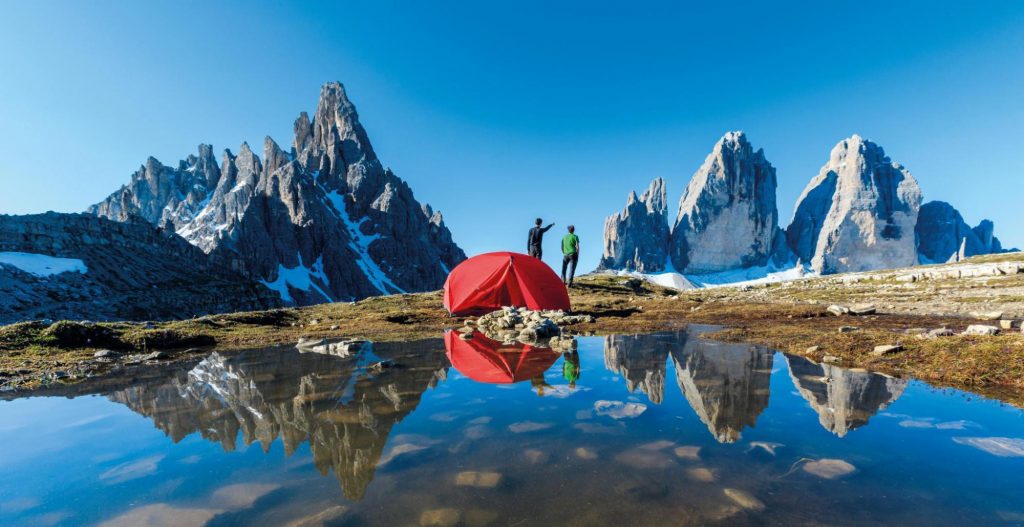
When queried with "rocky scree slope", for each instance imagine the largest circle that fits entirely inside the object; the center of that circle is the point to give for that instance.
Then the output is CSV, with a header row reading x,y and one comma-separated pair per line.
x,y
132,271
318,222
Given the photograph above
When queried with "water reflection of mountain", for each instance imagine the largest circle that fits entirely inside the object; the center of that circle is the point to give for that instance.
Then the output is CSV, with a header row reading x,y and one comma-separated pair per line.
x,y
844,399
725,383
641,360
343,406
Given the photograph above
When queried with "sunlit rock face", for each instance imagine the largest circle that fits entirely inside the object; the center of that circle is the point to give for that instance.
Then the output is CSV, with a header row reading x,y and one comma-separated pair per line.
x,y
727,218
858,213
844,399
319,222
338,405
637,238
641,360
726,384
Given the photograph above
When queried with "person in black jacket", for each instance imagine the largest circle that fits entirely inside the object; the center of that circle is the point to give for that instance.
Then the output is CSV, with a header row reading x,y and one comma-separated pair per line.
x,y
536,239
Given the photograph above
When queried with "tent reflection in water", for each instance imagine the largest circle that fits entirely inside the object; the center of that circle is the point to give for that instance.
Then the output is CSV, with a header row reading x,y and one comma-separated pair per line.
x,y
486,282
489,361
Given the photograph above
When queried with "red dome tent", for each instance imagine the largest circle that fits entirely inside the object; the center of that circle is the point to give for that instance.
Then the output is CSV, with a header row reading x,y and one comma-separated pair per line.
x,y
489,361
486,282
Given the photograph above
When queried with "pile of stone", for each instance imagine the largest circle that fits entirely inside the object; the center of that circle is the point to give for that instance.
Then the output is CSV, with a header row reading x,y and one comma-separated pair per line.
x,y
511,324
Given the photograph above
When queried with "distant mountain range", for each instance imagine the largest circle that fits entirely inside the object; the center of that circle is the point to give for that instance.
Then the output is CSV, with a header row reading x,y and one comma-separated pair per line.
x,y
323,221
320,221
861,212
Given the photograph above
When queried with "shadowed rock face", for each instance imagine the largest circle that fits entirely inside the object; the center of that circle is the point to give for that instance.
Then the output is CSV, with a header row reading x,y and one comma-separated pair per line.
x,y
858,213
641,360
844,399
726,384
135,272
324,221
944,236
342,408
728,218
637,238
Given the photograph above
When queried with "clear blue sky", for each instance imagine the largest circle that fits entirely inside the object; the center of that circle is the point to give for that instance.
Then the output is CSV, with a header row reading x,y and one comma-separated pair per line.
x,y
501,112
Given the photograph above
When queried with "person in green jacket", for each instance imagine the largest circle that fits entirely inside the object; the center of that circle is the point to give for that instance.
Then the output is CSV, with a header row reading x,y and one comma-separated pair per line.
x,y
570,254
571,367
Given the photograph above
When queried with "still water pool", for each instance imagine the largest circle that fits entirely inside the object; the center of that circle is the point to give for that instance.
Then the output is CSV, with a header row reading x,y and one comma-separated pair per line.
x,y
661,429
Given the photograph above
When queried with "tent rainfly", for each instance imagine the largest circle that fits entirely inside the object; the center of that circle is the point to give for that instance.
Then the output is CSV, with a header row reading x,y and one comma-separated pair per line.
x,y
486,282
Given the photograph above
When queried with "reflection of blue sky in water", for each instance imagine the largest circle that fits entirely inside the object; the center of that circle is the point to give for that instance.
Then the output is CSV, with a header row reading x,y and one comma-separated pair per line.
x,y
666,426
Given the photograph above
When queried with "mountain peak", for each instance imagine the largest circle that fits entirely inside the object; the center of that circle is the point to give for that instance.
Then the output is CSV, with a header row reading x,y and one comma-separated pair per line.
x,y
324,222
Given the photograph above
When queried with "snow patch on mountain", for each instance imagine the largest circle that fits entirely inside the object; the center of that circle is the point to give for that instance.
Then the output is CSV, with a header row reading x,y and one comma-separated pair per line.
x,y
360,244
42,265
732,278
299,277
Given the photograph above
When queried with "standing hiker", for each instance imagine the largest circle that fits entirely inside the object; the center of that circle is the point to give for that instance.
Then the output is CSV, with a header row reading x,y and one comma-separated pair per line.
x,y
570,254
536,239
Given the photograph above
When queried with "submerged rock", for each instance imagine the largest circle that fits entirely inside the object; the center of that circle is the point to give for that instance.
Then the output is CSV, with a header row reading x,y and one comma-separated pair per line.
x,y
829,468
744,499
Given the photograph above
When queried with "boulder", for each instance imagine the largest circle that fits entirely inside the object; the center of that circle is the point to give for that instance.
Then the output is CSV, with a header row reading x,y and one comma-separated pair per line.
x,y
886,349
838,310
862,309
981,330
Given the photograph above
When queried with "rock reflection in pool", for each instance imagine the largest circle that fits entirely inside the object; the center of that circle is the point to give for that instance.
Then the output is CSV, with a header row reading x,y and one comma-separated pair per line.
x,y
412,442
264,396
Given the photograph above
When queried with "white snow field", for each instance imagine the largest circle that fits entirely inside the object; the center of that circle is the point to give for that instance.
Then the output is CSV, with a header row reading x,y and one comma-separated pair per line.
x,y
734,277
42,265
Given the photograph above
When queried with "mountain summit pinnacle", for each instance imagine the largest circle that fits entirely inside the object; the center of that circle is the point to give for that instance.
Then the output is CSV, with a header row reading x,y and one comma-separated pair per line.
x,y
321,223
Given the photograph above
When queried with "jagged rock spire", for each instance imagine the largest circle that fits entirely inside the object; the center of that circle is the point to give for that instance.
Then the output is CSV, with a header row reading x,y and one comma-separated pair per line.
x,y
323,222
727,216
636,239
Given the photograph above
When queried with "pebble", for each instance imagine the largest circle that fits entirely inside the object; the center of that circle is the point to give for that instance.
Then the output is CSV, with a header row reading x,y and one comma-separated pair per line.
x,y
445,517
701,474
480,517
848,329
830,359
106,354
1009,324
687,452
812,349
472,478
